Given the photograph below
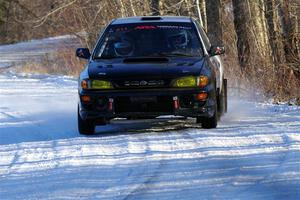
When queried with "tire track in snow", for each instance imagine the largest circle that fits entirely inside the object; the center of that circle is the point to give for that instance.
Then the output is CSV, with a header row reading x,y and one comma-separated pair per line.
x,y
165,159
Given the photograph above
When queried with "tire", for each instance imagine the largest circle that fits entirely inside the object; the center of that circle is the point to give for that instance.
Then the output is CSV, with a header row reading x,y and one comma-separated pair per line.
x,y
208,122
225,94
102,121
85,127
222,99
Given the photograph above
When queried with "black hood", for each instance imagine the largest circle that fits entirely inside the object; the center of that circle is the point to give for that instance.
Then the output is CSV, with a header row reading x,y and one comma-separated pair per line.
x,y
120,70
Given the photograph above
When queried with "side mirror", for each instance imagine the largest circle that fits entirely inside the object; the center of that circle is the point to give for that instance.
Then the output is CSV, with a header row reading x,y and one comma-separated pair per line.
x,y
216,50
83,53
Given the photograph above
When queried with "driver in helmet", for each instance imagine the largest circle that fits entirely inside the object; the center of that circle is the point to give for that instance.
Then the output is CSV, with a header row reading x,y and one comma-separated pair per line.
x,y
178,40
124,47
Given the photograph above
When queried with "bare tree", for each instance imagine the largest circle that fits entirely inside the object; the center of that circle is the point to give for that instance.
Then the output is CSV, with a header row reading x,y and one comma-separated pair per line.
x,y
261,34
199,11
242,17
276,44
288,30
132,7
154,7
252,36
258,28
214,24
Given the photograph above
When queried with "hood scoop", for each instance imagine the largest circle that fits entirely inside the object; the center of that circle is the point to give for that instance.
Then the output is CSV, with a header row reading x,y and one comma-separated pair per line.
x,y
146,60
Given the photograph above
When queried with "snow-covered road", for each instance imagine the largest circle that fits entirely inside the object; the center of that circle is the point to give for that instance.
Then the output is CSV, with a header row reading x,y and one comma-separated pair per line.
x,y
253,154
14,54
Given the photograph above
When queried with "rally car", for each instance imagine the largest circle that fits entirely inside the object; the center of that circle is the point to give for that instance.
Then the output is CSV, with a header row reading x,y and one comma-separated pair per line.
x,y
145,67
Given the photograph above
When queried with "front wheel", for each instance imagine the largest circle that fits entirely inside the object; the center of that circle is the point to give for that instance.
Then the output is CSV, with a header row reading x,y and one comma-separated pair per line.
x,y
225,94
85,127
222,99
102,121
208,122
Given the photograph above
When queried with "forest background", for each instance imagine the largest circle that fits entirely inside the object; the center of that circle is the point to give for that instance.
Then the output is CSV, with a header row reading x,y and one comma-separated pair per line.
x,y
261,37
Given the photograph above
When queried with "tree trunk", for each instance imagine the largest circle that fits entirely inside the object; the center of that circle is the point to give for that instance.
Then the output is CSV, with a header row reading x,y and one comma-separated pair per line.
x,y
122,8
201,12
269,14
260,32
214,22
297,28
287,29
242,23
154,7
188,8
4,15
274,36
132,8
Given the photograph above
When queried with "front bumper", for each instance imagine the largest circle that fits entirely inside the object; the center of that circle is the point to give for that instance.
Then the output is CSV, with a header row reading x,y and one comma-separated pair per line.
x,y
147,103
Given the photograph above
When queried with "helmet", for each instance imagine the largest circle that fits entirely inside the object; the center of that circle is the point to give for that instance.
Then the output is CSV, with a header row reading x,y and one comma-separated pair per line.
x,y
124,48
178,40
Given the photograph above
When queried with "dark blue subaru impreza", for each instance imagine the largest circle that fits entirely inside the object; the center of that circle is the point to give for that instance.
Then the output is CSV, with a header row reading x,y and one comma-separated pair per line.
x,y
145,67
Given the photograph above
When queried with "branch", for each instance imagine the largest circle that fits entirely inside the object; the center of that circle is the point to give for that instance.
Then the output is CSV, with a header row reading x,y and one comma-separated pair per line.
x,y
199,13
42,20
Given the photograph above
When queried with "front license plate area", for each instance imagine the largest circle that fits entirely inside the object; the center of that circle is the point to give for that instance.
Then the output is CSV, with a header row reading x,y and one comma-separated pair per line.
x,y
143,99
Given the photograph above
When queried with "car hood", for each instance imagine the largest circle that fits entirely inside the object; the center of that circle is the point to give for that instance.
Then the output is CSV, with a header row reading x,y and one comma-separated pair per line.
x,y
118,70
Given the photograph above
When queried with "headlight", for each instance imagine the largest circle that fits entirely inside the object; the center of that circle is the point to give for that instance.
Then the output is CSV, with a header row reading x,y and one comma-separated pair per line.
x,y
100,84
191,81
96,84
188,81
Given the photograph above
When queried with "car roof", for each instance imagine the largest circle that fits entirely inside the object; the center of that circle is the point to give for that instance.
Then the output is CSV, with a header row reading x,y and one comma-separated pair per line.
x,y
145,19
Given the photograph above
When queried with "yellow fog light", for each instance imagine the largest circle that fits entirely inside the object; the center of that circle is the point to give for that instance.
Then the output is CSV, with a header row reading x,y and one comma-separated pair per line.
x,y
101,84
203,81
188,81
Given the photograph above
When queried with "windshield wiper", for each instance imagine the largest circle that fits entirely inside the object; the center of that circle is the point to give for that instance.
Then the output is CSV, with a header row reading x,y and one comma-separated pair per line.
x,y
145,59
173,54
106,57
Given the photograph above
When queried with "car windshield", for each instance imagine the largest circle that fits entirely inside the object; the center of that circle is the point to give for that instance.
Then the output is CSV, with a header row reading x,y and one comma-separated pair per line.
x,y
149,40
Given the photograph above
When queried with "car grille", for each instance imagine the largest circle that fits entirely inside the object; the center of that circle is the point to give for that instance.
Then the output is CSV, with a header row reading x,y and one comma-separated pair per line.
x,y
143,104
141,84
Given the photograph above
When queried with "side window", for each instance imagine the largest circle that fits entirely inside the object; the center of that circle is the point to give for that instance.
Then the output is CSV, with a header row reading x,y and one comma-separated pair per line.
x,y
204,36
